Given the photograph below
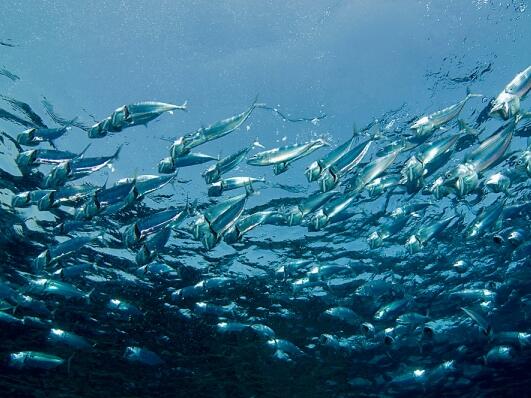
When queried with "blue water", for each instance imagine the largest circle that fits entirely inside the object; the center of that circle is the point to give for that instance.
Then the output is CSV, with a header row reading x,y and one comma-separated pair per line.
x,y
356,62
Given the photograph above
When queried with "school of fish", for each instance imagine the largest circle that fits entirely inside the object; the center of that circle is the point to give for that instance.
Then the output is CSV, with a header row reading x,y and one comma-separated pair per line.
x,y
403,268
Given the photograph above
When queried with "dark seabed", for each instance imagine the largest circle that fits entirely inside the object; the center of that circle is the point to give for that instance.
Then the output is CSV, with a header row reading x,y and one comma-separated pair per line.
x,y
265,199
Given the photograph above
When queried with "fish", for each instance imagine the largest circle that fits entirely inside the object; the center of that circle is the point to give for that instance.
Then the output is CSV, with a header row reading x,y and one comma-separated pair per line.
x,y
213,173
183,145
78,168
426,125
36,157
282,157
169,165
34,360
419,239
140,113
329,178
36,135
507,104
210,226
314,171
228,184
139,230
56,253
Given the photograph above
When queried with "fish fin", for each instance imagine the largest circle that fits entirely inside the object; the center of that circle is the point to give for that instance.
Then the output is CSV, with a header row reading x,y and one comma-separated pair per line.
x,y
117,153
469,94
84,150
184,106
52,144
87,297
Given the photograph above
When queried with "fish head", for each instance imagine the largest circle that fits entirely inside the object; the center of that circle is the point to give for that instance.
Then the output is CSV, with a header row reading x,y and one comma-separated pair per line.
x,y
232,235
280,168
131,235
412,172
313,171
318,221
26,159
209,239
21,200
42,261
327,182
97,130
26,137
211,174
438,189
516,237
58,175
91,208
178,148
498,183
143,256
200,226
466,183
215,189
367,329
375,240
47,201
463,179
295,216
422,127
413,245
121,117
461,266
505,106
166,166
523,163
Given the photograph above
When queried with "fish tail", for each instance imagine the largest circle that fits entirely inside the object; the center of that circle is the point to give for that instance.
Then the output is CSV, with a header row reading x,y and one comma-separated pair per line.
x,y
84,150
184,106
117,153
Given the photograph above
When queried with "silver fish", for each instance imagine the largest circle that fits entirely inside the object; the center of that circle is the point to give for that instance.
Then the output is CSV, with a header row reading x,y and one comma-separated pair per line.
x,y
132,115
78,168
331,175
371,171
281,157
227,184
426,125
314,170
170,164
507,103
427,232
214,172
296,214
183,145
